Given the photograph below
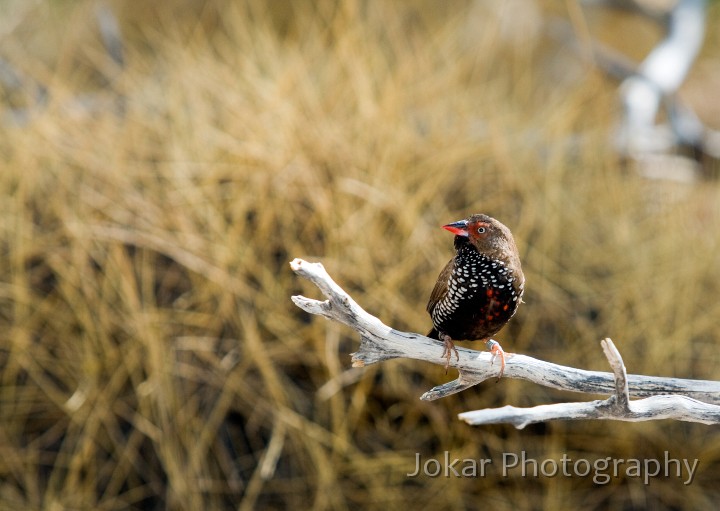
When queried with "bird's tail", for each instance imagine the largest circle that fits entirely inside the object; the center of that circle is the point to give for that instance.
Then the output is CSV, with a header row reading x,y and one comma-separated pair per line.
x,y
434,334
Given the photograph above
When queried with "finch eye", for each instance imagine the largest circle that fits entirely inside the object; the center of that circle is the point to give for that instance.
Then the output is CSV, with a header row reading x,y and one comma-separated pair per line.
x,y
481,230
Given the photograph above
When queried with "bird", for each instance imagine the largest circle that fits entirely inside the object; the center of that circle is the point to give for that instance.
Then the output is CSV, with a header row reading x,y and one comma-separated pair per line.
x,y
479,289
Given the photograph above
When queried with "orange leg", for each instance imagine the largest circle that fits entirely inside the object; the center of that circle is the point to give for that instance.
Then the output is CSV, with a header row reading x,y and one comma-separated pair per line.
x,y
496,351
448,351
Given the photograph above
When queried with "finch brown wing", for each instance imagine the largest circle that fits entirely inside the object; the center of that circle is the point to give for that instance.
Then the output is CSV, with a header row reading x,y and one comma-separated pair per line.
x,y
441,286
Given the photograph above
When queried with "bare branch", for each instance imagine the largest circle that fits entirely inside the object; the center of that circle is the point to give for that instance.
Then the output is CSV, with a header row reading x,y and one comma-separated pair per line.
x,y
690,400
616,407
622,393
651,86
651,408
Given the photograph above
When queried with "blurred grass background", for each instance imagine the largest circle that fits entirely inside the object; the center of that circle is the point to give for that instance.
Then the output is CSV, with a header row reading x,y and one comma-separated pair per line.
x,y
151,357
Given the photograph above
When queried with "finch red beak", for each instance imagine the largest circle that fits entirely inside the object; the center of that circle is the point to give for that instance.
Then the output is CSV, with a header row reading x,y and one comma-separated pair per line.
x,y
457,228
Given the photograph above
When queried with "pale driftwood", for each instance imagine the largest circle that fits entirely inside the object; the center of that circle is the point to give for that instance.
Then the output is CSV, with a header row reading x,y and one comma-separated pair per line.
x,y
649,88
617,407
689,400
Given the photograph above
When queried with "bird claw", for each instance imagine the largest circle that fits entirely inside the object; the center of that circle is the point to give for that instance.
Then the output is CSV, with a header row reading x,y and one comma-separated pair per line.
x,y
448,349
496,351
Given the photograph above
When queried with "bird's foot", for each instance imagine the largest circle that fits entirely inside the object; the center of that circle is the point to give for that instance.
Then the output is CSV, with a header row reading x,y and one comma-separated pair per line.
x,y
496,351
448,350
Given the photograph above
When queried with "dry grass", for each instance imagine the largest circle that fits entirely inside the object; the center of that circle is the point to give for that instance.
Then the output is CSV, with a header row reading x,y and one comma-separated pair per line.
x,y
151,357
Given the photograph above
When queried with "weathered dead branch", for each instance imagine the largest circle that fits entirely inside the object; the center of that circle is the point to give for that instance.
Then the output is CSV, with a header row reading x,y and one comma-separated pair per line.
x,y
665,398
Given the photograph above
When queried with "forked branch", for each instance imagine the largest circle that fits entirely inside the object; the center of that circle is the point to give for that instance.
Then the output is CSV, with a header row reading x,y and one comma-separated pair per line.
x,y
665,398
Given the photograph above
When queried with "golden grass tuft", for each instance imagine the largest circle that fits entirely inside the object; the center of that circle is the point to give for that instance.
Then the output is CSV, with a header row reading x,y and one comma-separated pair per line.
x,y
152,358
